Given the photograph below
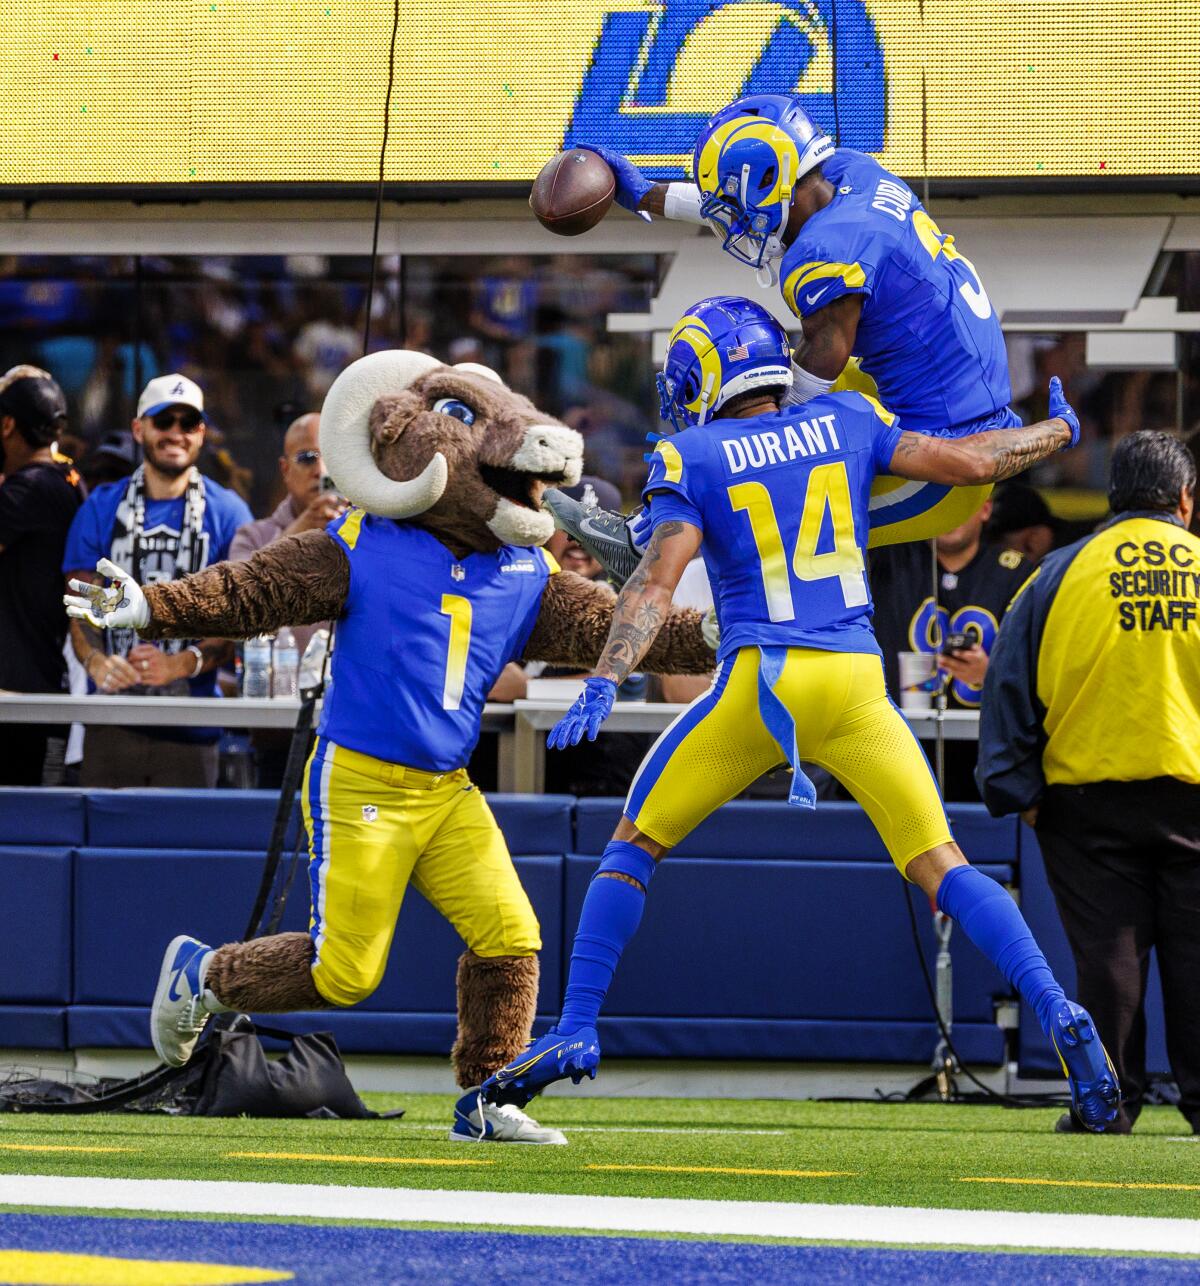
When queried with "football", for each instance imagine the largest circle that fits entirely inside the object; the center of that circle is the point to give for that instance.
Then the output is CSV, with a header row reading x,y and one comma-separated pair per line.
x,y
573,192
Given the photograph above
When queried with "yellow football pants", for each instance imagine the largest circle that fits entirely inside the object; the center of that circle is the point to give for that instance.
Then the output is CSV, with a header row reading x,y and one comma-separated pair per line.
x,y
843,721
373,827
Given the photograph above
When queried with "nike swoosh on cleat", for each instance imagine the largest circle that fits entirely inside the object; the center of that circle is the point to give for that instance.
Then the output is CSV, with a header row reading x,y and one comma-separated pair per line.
x,y
524,1067
179,966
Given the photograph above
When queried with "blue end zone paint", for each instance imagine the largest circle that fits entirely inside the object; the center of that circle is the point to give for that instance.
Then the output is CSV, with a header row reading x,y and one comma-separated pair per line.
x,y
337,1255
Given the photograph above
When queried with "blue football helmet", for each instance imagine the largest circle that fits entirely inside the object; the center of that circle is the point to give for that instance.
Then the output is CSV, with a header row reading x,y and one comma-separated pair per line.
x,y
748,159
721,347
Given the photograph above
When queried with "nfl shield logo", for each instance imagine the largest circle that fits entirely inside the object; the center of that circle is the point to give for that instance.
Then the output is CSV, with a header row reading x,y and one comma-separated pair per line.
x,y
370,812
458,572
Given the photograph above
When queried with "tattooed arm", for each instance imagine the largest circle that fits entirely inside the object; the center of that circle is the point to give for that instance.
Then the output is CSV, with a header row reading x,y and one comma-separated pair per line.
x,y
829,337
644,602
979,458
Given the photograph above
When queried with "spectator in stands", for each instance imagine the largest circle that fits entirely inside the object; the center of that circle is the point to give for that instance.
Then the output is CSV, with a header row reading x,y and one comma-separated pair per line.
x,y
166,520
1022,520
40,494
952,611
310,503
1091,730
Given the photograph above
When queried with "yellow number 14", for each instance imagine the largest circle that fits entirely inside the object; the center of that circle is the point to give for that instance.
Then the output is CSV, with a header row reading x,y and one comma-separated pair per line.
x,y
828,490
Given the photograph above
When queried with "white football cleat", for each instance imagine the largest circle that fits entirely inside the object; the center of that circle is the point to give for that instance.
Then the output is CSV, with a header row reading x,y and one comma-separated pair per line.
x,y
178,1015
499,1123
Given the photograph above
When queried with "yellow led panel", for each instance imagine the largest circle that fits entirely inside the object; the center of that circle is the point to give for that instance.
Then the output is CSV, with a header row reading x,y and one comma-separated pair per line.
x,y
227,91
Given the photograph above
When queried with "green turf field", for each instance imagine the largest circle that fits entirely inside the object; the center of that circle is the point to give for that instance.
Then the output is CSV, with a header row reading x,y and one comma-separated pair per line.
x,y
984,1158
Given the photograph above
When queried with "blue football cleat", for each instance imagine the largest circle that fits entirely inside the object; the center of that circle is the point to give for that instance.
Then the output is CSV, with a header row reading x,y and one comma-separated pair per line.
x,y
554,1057
1095,1092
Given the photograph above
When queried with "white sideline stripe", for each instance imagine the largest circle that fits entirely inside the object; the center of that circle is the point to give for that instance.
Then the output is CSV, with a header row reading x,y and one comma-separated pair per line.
x,y
803,1221
628,1129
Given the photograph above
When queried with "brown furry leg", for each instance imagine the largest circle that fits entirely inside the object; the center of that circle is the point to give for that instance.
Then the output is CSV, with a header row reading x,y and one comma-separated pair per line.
x,y
497,999
266,976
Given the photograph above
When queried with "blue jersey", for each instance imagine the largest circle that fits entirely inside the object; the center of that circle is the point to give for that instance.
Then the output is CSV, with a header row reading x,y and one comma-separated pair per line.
x,y
422,638
928,335
782,502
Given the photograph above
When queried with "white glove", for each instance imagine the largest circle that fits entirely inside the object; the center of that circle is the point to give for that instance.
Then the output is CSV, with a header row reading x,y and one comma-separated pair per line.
x,y
121,606
710,629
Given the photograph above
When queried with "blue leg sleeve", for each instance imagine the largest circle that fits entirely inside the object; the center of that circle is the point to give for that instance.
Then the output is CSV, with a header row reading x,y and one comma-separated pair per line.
x,y
610,916
993,922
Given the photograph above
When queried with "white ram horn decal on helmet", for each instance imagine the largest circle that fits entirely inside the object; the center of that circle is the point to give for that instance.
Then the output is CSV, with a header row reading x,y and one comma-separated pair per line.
x,y
477,368
346,436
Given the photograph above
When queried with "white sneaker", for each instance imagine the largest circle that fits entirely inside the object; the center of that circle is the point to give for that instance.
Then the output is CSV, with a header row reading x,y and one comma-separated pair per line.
x,y
178,1015
501,1123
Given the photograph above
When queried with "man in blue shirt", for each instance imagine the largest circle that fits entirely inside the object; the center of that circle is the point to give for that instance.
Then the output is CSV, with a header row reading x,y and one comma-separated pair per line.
x,y
776,501
165,521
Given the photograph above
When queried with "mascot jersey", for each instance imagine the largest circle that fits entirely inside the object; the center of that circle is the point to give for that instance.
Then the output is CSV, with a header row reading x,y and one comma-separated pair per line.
x,y
782,502
928,335
422,639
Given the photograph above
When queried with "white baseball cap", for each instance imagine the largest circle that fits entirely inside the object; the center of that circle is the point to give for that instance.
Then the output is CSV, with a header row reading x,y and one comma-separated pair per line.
x,y
170,390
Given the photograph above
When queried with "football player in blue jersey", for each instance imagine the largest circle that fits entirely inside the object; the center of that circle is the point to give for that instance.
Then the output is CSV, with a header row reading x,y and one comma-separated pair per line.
x,y
436,580
868,273
775,498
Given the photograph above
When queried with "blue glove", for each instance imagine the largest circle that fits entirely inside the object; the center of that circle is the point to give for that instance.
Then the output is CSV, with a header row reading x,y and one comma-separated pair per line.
x,y
640,531
631,185
593,705
1060,409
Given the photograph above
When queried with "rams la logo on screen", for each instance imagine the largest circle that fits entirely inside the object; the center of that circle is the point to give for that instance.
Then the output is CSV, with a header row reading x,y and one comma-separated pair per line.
x,y
656,76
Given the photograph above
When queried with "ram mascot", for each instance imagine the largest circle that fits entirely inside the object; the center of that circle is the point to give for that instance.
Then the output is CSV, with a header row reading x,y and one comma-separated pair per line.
x,y
436,579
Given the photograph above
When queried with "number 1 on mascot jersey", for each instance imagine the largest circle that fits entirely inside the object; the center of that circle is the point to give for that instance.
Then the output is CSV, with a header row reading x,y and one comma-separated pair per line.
x,y
458,609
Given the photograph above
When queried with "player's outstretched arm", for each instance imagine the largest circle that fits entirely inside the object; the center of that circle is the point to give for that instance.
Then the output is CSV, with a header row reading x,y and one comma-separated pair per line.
x,y
645,599
987,457
575,623
639,195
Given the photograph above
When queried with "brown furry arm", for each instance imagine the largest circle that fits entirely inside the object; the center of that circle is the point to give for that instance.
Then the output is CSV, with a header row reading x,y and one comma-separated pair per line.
x,y
296,580
574,621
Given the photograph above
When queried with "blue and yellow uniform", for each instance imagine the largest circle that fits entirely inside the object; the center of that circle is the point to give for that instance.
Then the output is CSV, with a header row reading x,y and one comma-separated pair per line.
x,y
929,341
421,640
782,500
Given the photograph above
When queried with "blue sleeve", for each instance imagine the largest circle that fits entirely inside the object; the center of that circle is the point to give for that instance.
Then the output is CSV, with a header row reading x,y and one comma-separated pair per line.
x,y
671,506
87,543
667,470
235,516
818,272
885,433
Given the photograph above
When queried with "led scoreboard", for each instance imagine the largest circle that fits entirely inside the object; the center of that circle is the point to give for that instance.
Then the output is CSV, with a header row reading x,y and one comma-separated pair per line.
x,y
203,92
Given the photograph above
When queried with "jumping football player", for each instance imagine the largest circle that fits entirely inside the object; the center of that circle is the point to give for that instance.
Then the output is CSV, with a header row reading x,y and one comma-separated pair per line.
x,y
776,500
870,276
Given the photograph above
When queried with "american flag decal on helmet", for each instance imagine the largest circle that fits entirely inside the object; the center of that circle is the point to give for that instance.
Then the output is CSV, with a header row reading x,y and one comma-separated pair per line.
x,y
738,354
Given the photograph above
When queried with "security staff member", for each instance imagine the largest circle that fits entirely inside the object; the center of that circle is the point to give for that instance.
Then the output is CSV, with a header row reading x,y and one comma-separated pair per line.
x,y
1090,728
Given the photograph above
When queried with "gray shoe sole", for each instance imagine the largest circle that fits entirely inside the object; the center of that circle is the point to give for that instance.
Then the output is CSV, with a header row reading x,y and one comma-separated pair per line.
x,y
602,533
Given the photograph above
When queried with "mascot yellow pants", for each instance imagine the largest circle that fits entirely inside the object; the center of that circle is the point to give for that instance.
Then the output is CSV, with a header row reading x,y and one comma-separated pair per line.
x,y
373,828
843,721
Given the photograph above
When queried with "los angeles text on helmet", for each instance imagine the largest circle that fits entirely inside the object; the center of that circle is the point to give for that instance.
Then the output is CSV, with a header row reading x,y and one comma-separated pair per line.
x,y
758,450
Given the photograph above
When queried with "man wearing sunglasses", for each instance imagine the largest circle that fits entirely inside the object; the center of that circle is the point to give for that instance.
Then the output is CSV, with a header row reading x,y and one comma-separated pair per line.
x,y
163,522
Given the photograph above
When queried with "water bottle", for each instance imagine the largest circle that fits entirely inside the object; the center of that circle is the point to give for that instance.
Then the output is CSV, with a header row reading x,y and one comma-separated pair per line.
x,y
287,662
256,667
313,663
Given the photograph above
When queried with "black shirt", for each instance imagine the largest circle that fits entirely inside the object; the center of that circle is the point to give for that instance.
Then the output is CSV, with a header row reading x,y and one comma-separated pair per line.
x,y
37,504
970,601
